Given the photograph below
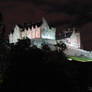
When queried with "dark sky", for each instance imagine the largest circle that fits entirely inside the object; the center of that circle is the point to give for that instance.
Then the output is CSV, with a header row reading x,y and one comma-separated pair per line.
x,y
58,13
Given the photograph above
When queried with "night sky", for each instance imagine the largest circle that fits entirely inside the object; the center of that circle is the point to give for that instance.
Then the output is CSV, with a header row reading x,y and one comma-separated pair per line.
x,y
59,13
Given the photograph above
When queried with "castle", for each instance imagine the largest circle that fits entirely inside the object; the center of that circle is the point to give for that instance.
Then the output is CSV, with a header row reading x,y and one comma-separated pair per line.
x,y
42,33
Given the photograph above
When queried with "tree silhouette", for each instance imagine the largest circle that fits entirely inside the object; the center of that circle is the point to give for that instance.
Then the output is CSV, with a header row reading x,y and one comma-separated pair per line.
x,y
4,46
1,18
2,28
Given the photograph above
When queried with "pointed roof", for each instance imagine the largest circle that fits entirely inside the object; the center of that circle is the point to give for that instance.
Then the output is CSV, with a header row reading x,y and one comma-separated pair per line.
x,y
44,22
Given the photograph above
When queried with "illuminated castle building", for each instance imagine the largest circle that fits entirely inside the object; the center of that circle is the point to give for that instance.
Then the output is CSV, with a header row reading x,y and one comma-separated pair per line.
x,y
42,33
32,32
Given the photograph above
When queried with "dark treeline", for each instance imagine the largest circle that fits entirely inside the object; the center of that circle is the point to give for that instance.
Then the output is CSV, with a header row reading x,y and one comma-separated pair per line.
x,y
32,67
43,70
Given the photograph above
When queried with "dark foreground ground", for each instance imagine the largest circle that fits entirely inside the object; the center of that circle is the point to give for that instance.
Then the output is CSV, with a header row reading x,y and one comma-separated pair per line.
x,y
45,71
